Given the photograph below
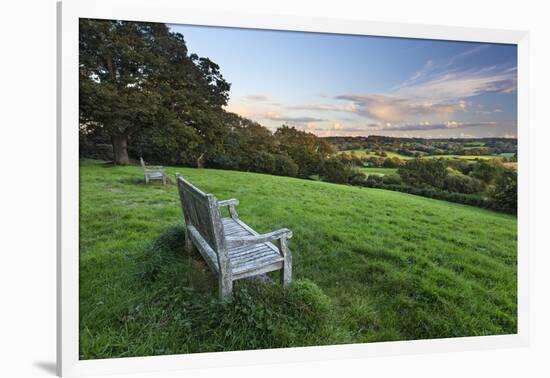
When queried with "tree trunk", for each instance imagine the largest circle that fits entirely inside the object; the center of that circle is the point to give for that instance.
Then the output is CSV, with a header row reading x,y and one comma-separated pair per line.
x,y
200,161
120,149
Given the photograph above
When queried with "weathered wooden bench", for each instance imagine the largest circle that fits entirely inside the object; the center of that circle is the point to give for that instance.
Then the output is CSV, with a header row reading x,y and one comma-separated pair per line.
x,y
230,247
153,172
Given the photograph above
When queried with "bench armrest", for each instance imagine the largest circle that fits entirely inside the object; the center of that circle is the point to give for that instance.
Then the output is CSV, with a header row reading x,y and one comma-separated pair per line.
x,y
239,241
228,202
231,203
154,168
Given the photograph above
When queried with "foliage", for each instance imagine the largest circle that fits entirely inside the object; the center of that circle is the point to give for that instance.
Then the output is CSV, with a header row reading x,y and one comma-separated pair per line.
x,y
463,184
504,195
420,172
334,170
374,180
137,78
305,149
392,179
431,192
416,147
486,171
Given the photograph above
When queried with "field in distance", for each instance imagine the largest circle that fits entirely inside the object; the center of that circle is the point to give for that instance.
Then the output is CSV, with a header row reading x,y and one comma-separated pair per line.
x,y
363,153
378,171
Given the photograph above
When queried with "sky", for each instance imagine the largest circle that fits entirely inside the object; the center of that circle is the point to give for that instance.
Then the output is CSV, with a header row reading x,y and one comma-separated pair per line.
x,y
349,85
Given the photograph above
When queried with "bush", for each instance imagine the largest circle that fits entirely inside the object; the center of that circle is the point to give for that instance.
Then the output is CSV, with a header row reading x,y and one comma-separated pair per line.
x,y
431,192
460,165
393,162
263,162
334,170
421,172
487,170
357,177
285,166
222,161
504,195
463,184
392,179
374,181
307,301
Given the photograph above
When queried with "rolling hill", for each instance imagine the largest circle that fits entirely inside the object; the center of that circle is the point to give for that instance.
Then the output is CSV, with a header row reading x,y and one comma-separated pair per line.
x,y
393,266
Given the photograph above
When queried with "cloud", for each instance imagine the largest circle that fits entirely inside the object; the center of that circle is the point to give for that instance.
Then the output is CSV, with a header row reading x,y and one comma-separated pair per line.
x,y
395,109
325,107
421,73
488,112
452,85
429,126
257,97
465,54
292,120
402,129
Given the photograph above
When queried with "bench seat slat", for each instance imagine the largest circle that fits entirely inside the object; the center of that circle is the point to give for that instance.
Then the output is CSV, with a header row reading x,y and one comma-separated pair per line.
x,y
248,258
252,258
256,264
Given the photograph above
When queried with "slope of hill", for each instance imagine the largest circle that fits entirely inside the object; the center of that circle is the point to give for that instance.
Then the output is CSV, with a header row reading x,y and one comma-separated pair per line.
x,y
395,266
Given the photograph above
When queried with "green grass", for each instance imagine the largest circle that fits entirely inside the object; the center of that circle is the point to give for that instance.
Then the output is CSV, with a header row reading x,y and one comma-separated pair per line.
x,y
369,265
467,157
378,171
363,153
472,145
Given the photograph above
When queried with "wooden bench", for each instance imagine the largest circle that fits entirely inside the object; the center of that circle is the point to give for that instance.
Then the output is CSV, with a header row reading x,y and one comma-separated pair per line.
x,y
153,172
230,247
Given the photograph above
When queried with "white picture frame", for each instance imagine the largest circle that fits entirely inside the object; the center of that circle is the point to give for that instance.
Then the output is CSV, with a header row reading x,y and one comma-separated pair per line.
x,y
167,11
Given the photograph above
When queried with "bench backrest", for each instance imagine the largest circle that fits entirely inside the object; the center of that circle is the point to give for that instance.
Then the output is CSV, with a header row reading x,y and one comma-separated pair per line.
x,y
142,162
201,211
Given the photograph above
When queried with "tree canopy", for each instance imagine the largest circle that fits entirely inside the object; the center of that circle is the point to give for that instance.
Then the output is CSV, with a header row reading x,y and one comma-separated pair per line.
x,y
139,79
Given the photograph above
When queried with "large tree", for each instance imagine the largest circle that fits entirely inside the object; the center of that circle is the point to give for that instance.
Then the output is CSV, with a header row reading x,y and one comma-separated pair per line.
x,y
138,77
306,149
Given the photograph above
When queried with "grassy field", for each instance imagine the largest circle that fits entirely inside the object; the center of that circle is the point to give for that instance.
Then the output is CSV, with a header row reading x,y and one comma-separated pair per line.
x,y
468,157
362,153
389,154
378,171
369,265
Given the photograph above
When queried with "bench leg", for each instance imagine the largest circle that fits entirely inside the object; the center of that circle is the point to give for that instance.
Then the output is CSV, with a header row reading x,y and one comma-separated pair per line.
x,y
163,179
286,273
146,179
226,287
188,242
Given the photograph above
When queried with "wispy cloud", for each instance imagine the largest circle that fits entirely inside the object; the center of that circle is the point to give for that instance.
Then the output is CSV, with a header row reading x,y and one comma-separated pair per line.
x,y
395,109
451,85
429,126
292,120
460,56
350,107
257,97
404,127
418,75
